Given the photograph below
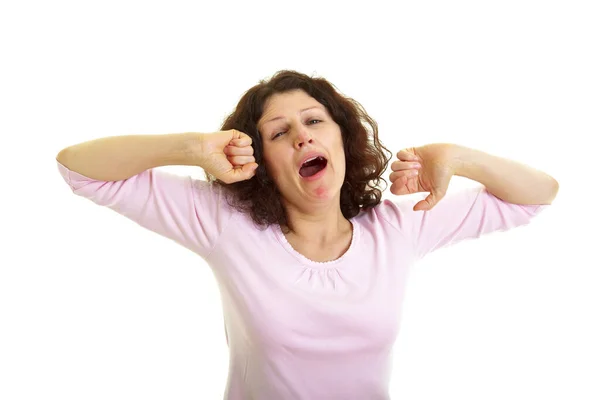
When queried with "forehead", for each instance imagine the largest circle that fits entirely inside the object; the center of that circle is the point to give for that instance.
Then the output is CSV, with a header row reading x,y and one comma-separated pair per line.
x,y
287,104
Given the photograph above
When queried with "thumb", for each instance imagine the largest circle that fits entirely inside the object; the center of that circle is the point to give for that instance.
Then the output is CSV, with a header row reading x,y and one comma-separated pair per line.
x,y
246,172
429,202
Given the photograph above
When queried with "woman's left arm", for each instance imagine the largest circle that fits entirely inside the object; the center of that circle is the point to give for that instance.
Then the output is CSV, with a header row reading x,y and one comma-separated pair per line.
x,y
506,179
511,196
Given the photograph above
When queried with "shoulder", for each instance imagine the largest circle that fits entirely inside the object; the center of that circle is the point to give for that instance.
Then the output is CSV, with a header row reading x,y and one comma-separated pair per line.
x,y
205,188
388,212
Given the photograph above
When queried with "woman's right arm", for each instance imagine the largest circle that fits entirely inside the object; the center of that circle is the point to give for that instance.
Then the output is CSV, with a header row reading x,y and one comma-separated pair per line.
x,y
119,172
115,158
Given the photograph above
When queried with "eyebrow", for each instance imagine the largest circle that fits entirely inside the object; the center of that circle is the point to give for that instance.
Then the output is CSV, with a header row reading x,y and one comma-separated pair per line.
x,y
301,111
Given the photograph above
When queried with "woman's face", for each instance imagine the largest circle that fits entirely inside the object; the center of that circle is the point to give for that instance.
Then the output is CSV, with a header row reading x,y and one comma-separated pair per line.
x,y
295,127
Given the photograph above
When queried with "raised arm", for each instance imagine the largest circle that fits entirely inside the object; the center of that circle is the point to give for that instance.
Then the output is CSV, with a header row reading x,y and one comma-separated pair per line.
x,y
511,195
116,158
120,173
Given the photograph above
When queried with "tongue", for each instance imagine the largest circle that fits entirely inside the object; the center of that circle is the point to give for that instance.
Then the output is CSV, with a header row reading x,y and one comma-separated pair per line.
x,y
310,170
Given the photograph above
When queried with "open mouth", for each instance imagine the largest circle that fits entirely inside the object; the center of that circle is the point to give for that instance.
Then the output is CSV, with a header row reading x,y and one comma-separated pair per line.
x,y
313,166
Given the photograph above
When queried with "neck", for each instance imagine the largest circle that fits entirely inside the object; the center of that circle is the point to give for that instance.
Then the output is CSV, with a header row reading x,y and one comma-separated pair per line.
x,y
322,227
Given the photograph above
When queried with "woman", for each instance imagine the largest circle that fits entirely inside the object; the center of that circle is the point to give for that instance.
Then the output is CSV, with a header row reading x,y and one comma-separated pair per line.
x,y
311,263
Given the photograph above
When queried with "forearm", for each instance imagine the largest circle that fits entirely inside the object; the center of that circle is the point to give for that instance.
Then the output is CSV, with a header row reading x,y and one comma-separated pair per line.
x,y
115,158
506,179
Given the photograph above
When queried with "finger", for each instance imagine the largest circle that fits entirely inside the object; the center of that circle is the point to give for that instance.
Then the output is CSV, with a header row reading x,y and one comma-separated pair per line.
x,y
405,184
238,151
241,140
240,173
247,141
399,187
241,160
403,174
245,172
406,155
402,165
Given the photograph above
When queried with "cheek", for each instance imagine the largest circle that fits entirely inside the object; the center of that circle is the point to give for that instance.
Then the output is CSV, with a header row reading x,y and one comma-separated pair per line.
x,y
341,163
341,153
267,159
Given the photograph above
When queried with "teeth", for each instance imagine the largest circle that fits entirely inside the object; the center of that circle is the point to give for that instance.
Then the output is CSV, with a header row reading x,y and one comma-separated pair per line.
x,y
310,159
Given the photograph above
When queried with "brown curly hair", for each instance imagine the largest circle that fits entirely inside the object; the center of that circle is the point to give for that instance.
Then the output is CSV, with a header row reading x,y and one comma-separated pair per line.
x,y
366,157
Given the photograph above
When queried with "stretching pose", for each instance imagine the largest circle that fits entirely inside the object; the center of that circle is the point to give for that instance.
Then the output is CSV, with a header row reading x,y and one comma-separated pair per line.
x,y
311,263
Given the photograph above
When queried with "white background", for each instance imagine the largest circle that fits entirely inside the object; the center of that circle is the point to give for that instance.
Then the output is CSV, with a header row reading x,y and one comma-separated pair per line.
x,y
94,307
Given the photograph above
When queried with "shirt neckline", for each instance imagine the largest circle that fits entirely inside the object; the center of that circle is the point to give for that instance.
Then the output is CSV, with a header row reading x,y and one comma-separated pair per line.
x,y
317,264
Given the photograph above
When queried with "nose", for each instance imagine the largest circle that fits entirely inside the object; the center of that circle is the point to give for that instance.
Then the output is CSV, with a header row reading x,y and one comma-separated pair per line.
x,y
303,137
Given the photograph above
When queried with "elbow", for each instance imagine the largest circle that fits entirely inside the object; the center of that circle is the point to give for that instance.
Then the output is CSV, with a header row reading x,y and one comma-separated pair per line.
x,y
62,155
556,187
553,191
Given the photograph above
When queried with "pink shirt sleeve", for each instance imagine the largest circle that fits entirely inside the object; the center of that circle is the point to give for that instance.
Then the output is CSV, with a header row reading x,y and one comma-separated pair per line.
x,y
191,212
462,214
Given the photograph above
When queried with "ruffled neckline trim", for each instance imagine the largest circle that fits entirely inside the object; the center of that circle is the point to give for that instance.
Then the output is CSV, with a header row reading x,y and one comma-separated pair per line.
x,y
318,264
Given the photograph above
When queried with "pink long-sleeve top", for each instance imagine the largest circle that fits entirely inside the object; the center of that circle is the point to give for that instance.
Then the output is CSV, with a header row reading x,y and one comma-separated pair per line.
x,y
296,328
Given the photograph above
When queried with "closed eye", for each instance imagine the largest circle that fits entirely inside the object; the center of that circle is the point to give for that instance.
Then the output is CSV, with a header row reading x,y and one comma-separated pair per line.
x,y
280,133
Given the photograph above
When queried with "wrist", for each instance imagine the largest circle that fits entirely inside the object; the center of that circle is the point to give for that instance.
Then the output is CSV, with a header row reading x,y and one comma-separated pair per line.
x,y
452,156
460,158
476,165
194,148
